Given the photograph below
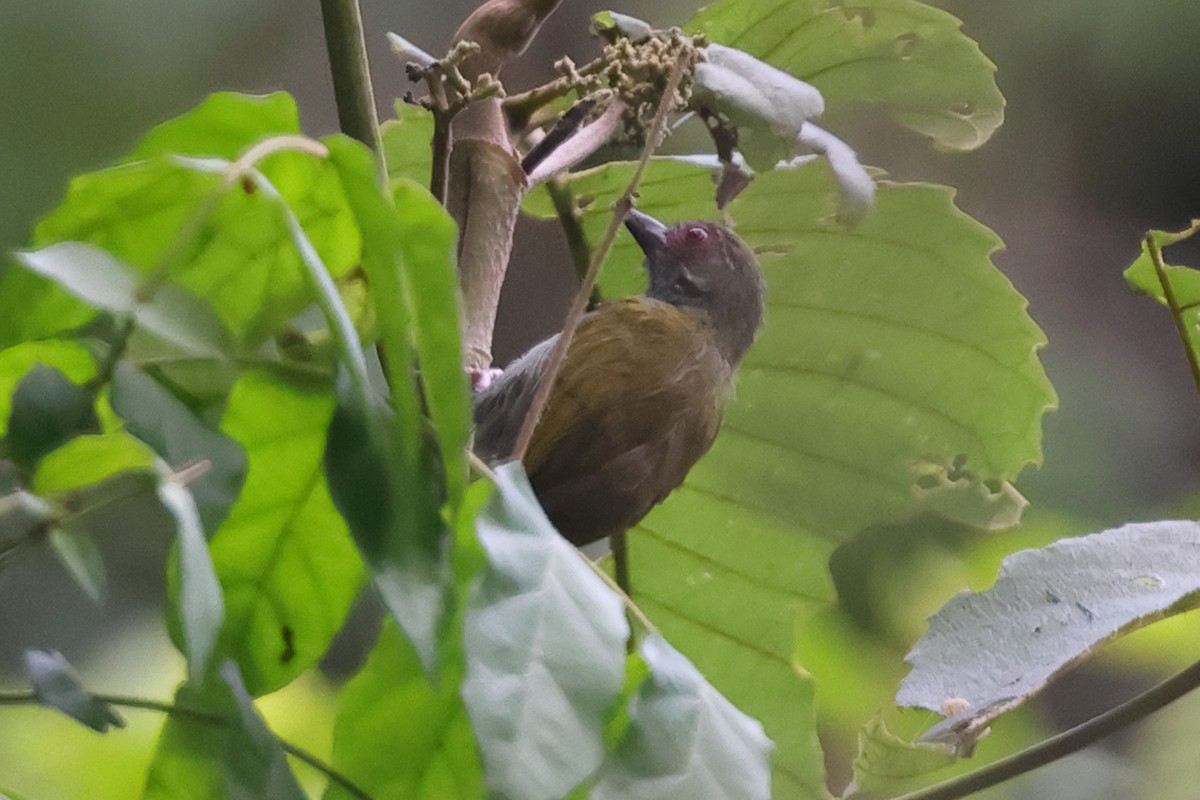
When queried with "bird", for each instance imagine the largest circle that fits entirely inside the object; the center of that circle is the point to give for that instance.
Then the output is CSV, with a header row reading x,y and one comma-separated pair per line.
x,y
641,394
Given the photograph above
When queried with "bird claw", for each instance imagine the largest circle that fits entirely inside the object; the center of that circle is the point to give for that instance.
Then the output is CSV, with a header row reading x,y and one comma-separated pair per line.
x,y
482,378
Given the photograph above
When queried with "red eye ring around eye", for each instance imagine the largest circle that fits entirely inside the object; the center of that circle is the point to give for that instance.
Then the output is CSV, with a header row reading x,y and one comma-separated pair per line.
x,y
696,234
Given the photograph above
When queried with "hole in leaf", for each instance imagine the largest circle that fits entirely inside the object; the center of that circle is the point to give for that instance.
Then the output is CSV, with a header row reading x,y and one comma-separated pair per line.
x,y
289,644
906,43
1148,580
966,108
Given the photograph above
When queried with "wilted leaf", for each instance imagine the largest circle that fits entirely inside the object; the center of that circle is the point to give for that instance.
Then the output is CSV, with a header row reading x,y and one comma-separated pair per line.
x,y
768,106
544,640
57,686
909,57
684,740
990,651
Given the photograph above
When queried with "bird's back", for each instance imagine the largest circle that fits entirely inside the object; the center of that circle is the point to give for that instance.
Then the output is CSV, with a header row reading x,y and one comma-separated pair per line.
x,y
637,402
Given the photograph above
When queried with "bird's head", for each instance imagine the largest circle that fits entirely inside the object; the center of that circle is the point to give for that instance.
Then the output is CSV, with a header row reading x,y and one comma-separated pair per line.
x,y
706,267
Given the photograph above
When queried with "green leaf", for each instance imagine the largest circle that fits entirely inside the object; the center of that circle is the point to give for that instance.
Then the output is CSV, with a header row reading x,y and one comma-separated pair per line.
x,y
106,283
611,26
77,552
406,143
401,737
163,422
222,750
684,740
89,459
286,564
1051,608
909,57
57,686
398,735
235,251
201,606
410,260
884,758
894,361
544,643
1183,282
47,411
69,358
222,126
379,464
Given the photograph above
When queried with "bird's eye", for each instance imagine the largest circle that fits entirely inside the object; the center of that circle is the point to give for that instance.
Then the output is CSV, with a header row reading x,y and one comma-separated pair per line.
x,y
696,234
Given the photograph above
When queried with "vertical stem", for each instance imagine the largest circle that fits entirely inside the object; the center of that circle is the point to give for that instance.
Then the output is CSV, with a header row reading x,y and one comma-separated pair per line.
x,y
1160,269
347,47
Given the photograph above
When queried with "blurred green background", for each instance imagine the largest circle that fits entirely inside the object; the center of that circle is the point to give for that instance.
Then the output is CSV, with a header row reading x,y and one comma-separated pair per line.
x,y
1099,145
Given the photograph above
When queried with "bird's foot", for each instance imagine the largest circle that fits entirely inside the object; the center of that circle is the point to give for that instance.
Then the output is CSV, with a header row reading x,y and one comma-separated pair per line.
x,y
482,378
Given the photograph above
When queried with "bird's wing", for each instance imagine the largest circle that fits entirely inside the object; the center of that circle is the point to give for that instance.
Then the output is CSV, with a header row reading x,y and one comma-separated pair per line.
x,y
500,409
636,403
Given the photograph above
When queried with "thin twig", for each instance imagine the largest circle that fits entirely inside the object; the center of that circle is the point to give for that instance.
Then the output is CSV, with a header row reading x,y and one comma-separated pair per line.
x,y
351,73
1064,743
567,208
634,609
621,208
1160,269
199,715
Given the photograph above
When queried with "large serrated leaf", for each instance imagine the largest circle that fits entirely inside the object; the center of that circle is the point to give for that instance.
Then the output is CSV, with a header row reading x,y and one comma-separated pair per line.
x,y
1051,608
287,566
909,57
544,640
890,351
684,740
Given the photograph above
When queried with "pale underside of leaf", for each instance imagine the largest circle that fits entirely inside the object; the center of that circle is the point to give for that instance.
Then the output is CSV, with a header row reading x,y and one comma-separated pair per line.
x,y
1049,609
544,645
908,57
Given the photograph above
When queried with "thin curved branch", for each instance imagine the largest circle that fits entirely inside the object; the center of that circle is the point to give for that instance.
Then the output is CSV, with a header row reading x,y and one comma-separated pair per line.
x,y
1065,743
199,715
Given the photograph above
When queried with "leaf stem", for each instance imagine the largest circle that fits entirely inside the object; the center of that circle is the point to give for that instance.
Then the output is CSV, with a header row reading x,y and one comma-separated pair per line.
x,y
567,209
1160,269
145,704
351,73
1065,743
654,137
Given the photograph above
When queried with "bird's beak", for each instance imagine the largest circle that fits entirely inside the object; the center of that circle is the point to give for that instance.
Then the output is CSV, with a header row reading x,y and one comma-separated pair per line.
x,y
649,233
